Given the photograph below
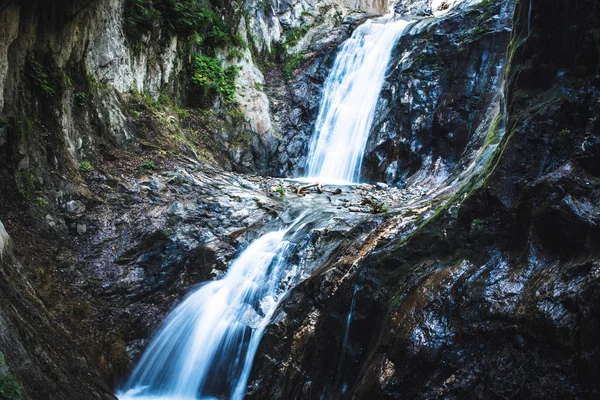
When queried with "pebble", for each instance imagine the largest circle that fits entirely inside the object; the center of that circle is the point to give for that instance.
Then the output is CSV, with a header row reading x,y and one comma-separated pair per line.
x,y
81,229
75,207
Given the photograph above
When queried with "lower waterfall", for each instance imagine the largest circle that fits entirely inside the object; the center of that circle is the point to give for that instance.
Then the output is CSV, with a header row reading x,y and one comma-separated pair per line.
x,y
205,347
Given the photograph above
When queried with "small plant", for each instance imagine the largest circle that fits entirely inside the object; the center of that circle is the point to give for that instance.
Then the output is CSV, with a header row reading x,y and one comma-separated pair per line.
x,y
565,132
41,79
85,167
292,63
41,202
135,114
235,54
294,35
80,98
25,182
376,208
258,86
477,222
280,190
10,389
209,77
148,165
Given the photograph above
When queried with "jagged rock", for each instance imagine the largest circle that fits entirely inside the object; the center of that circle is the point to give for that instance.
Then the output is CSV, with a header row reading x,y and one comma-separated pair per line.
x,y
75,207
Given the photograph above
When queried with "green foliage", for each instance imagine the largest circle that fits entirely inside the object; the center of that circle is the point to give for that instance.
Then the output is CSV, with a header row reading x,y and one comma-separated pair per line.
x,y
80,98
180,17
235,54
41,202
292,63
10,389
280,190
41,78
477,222
210,78
25,182
428,59
293,36
85,167
565,132
148,165
376,208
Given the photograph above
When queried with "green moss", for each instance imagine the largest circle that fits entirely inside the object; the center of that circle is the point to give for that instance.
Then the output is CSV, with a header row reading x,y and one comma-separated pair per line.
x,y
293,36
41,202
85,167
564,132
148,165
292,63
428,60
482,13
10,389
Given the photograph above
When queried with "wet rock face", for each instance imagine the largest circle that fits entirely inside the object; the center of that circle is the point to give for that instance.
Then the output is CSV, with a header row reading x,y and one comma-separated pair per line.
x,y
444,80
496,297
35,350
295,99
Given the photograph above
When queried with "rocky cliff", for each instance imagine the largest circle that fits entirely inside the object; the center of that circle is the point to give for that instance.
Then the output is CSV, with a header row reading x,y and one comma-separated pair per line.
x,y
495,296
125,127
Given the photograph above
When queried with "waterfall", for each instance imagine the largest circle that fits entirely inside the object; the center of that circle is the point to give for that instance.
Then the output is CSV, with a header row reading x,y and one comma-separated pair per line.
x,y
349,101
206,346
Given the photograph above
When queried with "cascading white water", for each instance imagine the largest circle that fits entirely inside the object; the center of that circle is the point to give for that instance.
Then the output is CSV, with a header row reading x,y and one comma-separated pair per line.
x,y
206,346
349,100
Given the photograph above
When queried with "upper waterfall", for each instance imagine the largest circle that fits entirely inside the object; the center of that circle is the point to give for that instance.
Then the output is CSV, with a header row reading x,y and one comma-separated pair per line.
x,y
349,101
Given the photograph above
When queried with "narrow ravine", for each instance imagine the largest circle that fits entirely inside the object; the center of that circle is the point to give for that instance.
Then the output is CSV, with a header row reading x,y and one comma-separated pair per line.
x,y
299,199
206,346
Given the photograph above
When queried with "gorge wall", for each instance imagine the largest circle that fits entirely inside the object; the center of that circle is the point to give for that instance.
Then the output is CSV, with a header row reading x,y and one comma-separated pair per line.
x,y
494,297
123,133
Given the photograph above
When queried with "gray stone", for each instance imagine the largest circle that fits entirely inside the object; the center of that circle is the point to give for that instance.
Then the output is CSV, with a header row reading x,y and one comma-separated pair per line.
x,y
75,207
81,229
50,221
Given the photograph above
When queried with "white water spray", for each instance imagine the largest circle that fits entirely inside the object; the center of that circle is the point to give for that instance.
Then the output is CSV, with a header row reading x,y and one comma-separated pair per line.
x,y
206,346
349,101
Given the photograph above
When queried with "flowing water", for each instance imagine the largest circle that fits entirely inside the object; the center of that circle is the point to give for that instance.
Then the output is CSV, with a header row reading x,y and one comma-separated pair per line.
x,y
205,348
349,101
345,341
